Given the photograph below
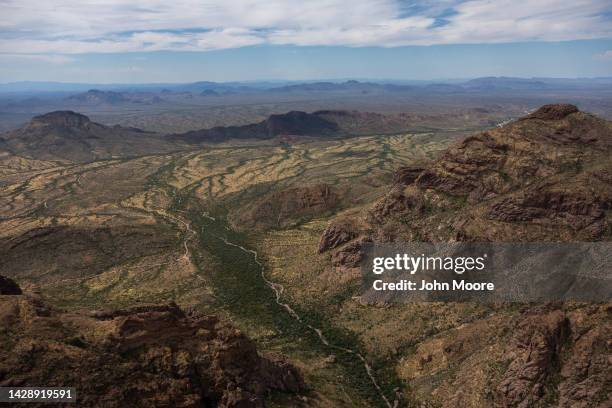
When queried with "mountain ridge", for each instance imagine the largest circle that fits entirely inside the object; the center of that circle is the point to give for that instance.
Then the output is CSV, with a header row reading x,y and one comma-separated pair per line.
x,y
544,177
296,123
534,170
148,355
70,136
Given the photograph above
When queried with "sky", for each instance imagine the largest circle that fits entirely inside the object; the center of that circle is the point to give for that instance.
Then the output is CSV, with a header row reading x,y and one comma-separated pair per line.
x,y
112,41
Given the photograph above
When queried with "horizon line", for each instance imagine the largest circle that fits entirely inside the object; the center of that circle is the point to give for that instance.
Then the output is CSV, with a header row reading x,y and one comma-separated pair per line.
x,y
323,79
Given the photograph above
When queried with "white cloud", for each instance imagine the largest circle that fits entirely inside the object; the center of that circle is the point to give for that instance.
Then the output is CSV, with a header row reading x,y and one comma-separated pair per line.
x,y
103,26
50,58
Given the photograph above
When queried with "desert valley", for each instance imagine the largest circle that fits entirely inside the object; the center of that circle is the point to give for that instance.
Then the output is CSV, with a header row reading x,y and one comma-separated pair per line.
x,y
170,257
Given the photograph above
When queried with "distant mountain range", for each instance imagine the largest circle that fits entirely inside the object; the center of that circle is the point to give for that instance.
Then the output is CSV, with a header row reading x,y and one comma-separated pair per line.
x,y
71,136
97,97
330,123
484,83
492,83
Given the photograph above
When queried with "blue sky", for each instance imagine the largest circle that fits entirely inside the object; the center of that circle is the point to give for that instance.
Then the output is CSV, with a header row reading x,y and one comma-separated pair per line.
x,y
187,40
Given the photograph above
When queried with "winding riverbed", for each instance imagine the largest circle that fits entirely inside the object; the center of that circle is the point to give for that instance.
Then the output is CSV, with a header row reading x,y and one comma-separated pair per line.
x,y
278,291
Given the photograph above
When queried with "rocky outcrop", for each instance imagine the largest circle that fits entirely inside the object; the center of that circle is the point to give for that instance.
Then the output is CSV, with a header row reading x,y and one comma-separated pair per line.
x,y
140,357
336,234
545,176
585,376
406,175
552,112
466,167
537,348
394,202
8,286
542,356
578,209
286,207
349,256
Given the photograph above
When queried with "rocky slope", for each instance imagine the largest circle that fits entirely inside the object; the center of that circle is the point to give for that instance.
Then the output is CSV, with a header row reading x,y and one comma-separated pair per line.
x,y
70,136
542,356
50,254
140,357
289,206
545,177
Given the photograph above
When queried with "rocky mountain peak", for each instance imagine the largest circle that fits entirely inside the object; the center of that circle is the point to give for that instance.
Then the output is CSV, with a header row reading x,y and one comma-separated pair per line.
x,y
553,112
67,119
529,180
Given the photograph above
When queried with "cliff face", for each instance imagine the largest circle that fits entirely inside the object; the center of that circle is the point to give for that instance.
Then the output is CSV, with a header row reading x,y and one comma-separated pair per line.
x,y
143,356
545,177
